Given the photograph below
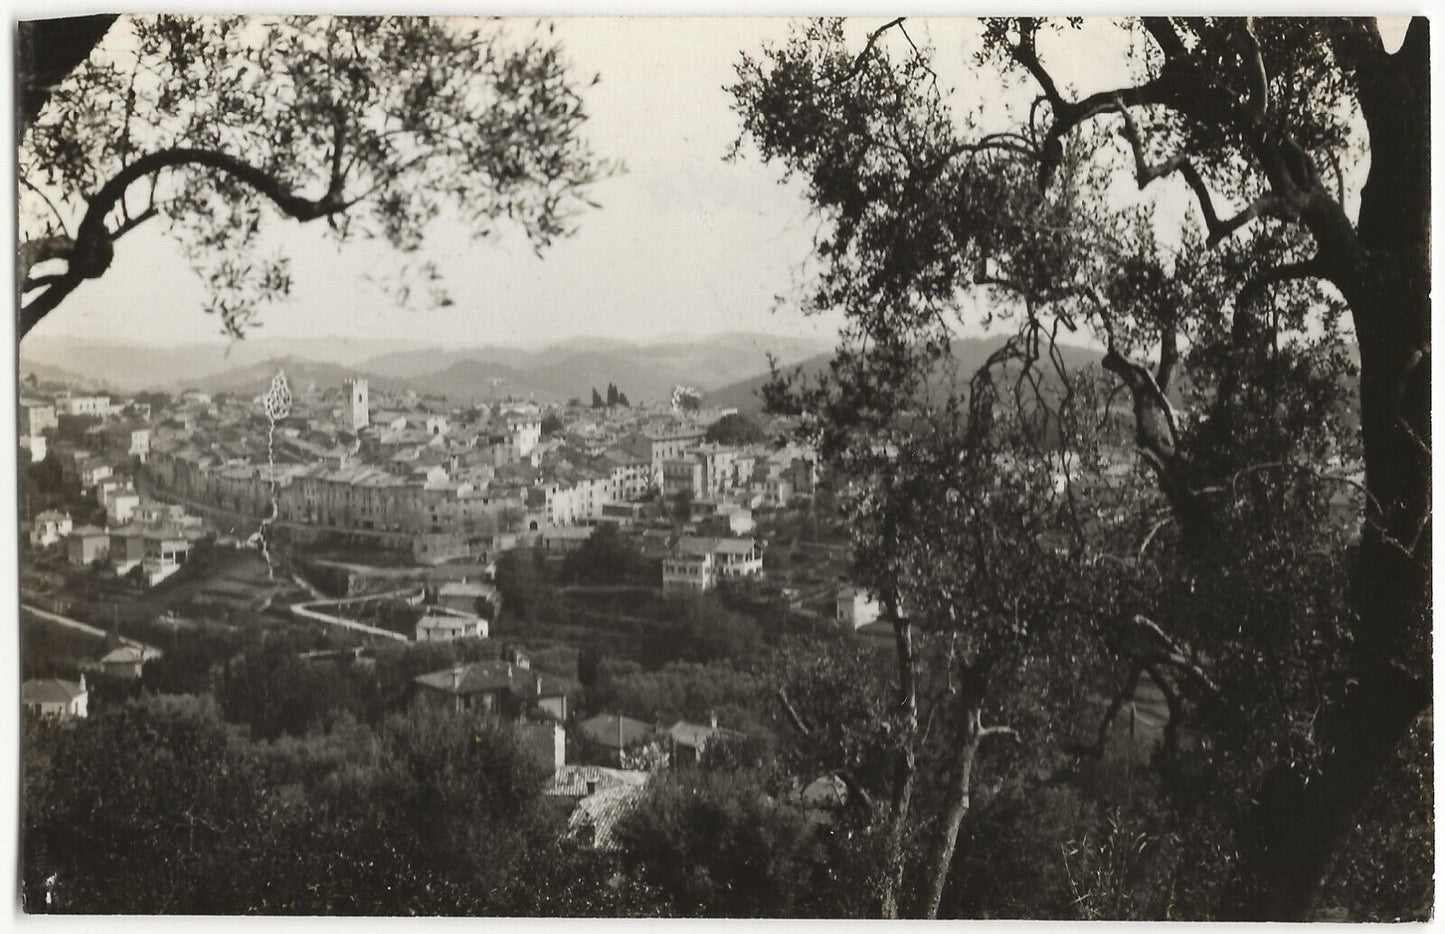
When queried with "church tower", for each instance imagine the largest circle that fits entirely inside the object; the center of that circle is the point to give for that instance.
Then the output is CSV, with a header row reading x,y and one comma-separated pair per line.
x,y
358,404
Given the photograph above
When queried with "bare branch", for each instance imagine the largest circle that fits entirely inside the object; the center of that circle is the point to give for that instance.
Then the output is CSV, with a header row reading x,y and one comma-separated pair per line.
x,y
862,59
793,716
1266,205
1258,77
855,788
48,203
1254,287
1144,172
1000,730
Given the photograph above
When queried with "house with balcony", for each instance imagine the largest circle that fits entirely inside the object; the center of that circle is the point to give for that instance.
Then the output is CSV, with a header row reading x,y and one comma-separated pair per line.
x,y
699,563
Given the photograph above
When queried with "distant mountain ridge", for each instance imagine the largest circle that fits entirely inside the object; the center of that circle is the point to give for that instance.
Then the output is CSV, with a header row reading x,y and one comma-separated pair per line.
x,y
553,372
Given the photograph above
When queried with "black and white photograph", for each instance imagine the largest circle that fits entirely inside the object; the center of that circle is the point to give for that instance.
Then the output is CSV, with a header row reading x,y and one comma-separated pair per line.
x,y
692,467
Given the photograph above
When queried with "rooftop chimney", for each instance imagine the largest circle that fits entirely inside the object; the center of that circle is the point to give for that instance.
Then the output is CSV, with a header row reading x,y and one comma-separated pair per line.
x,y
457,676
712,719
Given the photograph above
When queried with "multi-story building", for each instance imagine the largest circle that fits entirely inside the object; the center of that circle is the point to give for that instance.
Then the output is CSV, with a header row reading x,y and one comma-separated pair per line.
x,y
661,445
698,563
683,476
120,502
91,474
524,430
36,417
37,446
85,405
631,474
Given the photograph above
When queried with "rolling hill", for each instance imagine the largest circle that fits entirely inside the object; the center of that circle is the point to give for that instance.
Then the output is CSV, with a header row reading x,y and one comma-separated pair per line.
x,y
968,355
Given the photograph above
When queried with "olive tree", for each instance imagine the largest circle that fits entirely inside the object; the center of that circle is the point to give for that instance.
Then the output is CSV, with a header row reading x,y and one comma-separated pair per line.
x,y
1226,341
215,125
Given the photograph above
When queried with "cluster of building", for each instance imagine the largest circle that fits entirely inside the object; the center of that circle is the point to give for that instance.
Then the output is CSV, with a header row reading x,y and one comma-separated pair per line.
x,y
156,538
99,445
410,473
453,482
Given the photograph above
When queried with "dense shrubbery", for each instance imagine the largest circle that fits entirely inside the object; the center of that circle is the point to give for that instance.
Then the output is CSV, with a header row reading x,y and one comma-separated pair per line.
x,y
608,558
735,429
161,807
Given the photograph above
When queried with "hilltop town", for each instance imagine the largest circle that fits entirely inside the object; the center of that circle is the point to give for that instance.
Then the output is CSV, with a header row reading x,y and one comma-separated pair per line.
x,y
551,561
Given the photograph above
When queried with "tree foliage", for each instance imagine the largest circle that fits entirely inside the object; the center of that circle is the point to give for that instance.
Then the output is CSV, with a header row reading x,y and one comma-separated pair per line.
x,y
160,807
1032,566
216,125
716,845
735,429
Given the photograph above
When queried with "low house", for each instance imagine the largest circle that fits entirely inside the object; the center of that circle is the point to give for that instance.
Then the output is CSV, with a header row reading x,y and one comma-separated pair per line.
x,y
580,781
564,539
52,697
468,596
49,527
615,736
600,798
855,608
594,822
441,624
690,740
86,545
509,688
128,661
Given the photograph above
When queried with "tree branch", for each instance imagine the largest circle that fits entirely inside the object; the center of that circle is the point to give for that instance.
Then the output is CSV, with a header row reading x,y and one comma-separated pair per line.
x,y
1143,172
862,58
1147,396
1254,287
1270,204
1258,78
48,203
91,251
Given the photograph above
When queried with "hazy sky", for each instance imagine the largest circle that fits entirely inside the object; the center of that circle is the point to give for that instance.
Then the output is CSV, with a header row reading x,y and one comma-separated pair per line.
x,y
685,244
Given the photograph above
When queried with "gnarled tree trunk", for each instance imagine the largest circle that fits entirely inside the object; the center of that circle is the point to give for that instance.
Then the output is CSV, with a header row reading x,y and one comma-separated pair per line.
x,y
1300,821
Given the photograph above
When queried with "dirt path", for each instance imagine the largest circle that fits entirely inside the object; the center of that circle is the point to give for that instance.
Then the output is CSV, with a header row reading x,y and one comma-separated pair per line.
x,y
83,627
